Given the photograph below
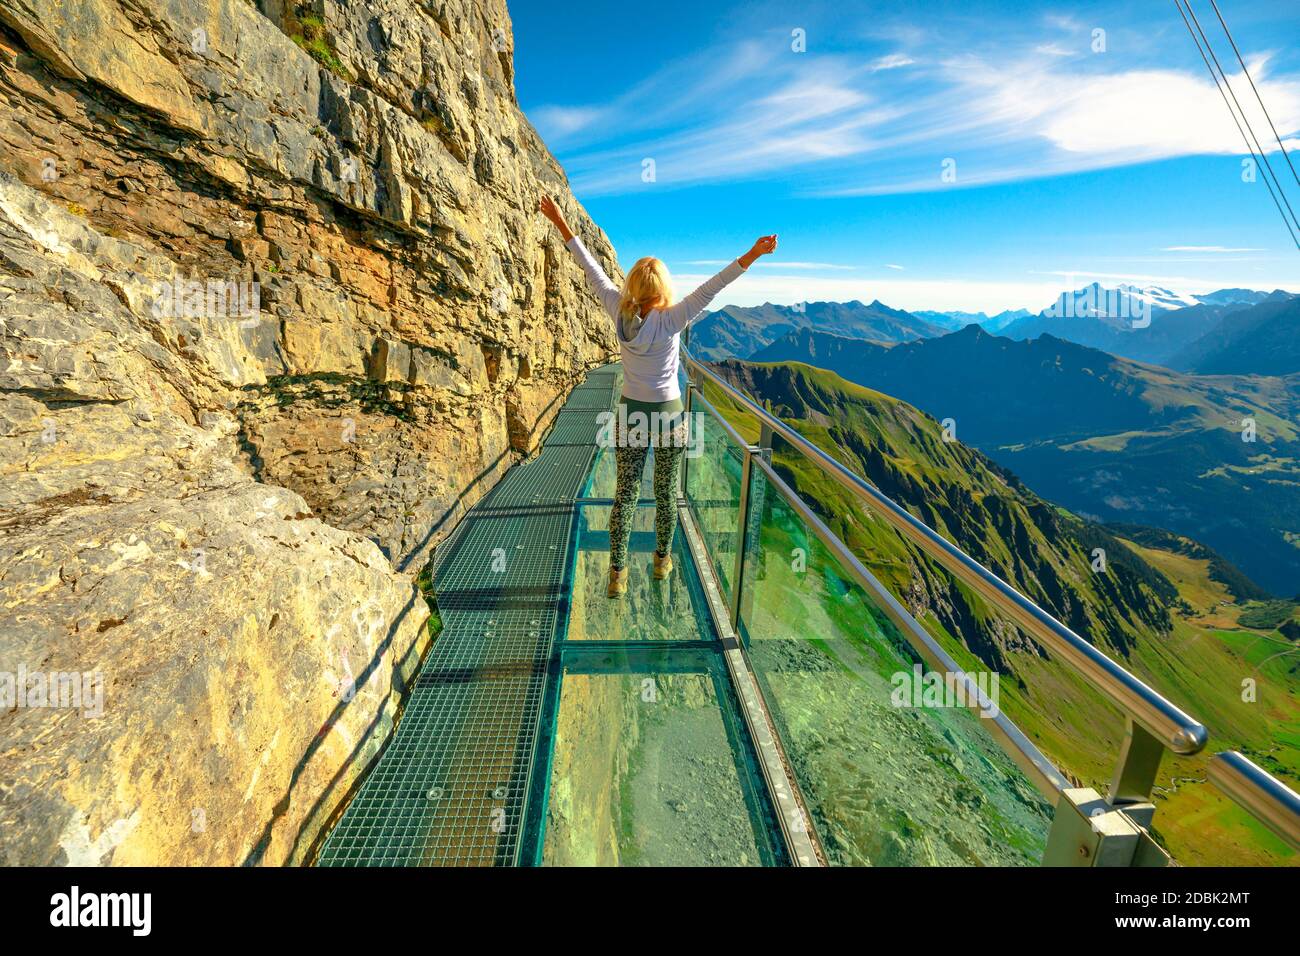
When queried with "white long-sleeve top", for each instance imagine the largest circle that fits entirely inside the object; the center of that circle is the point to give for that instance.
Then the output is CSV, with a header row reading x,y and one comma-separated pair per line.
x,y
650,359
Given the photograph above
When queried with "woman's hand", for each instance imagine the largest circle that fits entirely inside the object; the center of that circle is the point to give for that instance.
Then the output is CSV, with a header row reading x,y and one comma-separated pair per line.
x,y
763,245
552,212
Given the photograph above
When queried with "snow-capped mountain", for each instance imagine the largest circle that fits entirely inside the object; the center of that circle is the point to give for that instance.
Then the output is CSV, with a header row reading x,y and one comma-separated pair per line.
x,y
1147,323
1093,299
1239,297
1122,302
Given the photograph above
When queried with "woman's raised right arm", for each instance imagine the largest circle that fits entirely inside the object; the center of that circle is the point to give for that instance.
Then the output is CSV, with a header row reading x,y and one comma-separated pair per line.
x,y
605,290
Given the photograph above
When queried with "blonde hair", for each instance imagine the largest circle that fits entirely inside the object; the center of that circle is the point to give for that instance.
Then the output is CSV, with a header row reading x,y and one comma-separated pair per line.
x,y
648,284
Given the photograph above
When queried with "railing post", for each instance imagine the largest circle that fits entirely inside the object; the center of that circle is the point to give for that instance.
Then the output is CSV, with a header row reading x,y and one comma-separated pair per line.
x,y
691,386
765,435
1135,774
751,526
742,533
1089,831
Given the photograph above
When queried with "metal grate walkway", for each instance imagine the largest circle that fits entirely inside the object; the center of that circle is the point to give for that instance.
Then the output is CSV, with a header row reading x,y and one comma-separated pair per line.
x,y
451,787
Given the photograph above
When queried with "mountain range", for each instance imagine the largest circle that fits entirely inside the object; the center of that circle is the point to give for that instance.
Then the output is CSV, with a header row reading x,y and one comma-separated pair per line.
x,y
1230,331
952,321
1261,340
739,331
1106,436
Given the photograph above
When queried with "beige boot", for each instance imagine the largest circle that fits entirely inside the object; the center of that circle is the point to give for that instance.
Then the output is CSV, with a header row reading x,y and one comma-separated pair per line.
x,y
663,566
617,583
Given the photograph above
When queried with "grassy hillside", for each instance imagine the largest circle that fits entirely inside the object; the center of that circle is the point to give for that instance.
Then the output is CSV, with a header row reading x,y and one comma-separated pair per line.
x,y
1109,438
1161,613
1235,586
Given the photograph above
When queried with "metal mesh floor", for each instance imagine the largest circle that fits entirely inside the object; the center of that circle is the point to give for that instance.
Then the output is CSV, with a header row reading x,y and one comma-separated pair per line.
x,y
595,394
451,787
556,474
511,555
575,427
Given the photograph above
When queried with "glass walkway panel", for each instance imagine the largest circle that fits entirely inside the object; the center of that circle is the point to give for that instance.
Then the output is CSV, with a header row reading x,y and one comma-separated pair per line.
x,y
650,764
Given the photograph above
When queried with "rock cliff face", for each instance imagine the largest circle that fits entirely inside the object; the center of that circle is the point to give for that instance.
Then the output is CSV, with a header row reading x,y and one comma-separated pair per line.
x,y
276,310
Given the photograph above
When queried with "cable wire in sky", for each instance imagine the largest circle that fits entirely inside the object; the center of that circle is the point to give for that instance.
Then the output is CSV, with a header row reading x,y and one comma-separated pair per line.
x,y
1238,121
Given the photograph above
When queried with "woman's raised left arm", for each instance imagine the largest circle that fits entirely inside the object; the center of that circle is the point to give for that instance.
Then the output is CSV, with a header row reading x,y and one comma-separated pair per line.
x,y
552,212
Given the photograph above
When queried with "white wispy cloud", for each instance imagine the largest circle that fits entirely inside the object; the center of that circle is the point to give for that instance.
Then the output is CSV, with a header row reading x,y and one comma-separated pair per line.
x,y
686,89
1031,119
859,130
1140,115
891,265
561,121
1195,285
1062,21
891,61
812,115
1223,249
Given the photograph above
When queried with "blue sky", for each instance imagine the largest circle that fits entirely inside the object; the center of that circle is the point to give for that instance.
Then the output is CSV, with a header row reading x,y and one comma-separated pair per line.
x,y
1071,164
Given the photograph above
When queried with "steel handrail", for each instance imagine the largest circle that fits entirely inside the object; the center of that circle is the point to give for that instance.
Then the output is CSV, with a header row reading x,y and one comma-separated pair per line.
x,y
1162,718
1259,793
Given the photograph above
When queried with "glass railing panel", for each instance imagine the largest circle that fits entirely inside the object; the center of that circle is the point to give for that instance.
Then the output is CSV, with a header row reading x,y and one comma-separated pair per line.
x,y
713,470
892,776
669,610
651,766
1066,716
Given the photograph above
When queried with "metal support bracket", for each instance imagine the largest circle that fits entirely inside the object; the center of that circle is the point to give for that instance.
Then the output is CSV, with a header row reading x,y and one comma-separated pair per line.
x,y
1135,774
1088,831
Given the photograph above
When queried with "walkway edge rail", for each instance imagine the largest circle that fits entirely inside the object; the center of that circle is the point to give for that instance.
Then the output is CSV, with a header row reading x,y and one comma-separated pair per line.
x,y
1154,722
1259,793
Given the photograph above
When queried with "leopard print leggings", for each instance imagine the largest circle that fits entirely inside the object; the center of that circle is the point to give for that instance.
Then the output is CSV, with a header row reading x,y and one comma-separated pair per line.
x,y
630,462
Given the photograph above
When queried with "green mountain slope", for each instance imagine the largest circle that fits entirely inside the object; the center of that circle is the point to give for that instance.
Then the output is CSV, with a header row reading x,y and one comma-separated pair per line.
x,y
1105,436
1135,609
970,499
